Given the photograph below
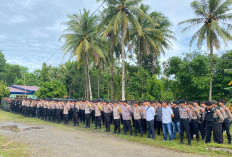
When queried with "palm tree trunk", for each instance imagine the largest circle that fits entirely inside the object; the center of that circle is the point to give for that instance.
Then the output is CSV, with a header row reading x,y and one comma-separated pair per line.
x,y
211,73
152,69
98,87
140,53
112,68
112,81
86,76
123,35
90,90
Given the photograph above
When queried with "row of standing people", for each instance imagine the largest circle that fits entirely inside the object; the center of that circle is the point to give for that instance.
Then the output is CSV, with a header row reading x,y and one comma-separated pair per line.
x,y
179,116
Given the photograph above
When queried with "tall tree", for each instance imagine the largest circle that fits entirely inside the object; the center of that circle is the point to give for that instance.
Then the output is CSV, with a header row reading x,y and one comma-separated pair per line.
x,y
213,14
121,14
82,41
44,75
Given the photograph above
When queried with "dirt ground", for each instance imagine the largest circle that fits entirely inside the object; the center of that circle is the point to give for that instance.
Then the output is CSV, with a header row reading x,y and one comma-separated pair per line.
x,y
51,141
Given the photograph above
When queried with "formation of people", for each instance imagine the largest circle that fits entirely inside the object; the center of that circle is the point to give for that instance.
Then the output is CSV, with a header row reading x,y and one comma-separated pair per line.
x,y
147,117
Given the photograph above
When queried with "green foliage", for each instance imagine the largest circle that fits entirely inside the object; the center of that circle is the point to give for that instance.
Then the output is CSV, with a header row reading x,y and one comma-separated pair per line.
x,y
53,89
4,91
191,76
44,74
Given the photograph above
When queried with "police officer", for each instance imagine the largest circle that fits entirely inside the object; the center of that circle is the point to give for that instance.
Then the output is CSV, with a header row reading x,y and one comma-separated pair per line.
x,y
87,113
227,118
117,112
75,115
217,132
194,121
137,113
200,121
126,115
210,117
107,110
185,117
98,109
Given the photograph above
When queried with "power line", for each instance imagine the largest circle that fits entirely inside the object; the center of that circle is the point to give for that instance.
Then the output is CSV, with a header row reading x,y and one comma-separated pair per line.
x,y
77,30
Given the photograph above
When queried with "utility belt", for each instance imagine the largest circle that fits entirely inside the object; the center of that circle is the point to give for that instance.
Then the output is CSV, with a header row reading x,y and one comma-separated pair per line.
x,y
184,119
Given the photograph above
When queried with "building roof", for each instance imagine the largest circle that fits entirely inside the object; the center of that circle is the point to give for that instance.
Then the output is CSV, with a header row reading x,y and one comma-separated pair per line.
x,y
19,89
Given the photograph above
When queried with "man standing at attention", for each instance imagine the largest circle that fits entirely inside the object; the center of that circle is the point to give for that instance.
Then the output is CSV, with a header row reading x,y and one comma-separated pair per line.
x,y
126,115
167,115
185,116
150,120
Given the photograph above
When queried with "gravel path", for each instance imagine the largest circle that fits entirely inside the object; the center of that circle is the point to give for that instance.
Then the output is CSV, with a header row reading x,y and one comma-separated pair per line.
x,y
50,141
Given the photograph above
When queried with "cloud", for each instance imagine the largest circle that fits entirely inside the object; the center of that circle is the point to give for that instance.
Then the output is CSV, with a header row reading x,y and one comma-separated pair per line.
x,y
30,29
17,19
3,37
58,27
39,34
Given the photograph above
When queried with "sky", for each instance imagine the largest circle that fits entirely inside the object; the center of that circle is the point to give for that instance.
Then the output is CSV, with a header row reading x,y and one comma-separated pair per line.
x,y
30,29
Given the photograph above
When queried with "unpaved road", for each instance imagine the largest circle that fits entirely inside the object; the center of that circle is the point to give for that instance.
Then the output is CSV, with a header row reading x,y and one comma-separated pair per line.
x,y
51,141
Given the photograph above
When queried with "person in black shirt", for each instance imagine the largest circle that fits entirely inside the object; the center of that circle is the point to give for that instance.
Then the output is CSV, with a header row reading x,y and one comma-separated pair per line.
x,y
176,119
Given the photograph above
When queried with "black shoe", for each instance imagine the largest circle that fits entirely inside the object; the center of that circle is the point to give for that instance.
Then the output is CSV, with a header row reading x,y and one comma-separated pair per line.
x,y
114,132
181,143
189,144
106,130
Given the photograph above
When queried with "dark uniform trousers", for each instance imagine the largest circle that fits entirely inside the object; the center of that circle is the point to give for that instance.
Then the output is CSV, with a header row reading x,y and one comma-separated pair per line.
x,y
87,119
226,127
117,125
194,128
58,117
159,127
138,127
144,125
201,127
98,121
93,115
127,126
49,114
210,126
53,115
107,121
184,126
103,117
75,117
66,119
217,133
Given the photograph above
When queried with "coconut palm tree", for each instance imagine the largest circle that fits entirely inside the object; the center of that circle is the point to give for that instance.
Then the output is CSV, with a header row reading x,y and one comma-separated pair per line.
x,y
212,16
113,53
121,14
163,25
82,42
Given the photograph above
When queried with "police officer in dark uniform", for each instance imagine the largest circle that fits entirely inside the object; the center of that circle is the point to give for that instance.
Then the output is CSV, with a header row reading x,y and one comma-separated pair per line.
x,y
210,119
75,115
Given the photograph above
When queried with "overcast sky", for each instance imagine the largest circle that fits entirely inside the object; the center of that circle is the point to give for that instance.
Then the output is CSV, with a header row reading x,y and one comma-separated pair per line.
x,y
30,29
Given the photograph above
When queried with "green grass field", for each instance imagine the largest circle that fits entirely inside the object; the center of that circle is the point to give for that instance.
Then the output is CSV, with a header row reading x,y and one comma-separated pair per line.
x,y
196,148
12,149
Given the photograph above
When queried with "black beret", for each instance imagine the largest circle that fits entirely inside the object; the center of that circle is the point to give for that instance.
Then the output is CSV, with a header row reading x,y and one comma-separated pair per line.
x,y
181,101
190,102
222,101
208,103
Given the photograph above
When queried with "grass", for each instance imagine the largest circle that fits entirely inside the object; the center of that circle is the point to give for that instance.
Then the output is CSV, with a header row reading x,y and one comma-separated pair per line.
x,y
12,149
196,148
